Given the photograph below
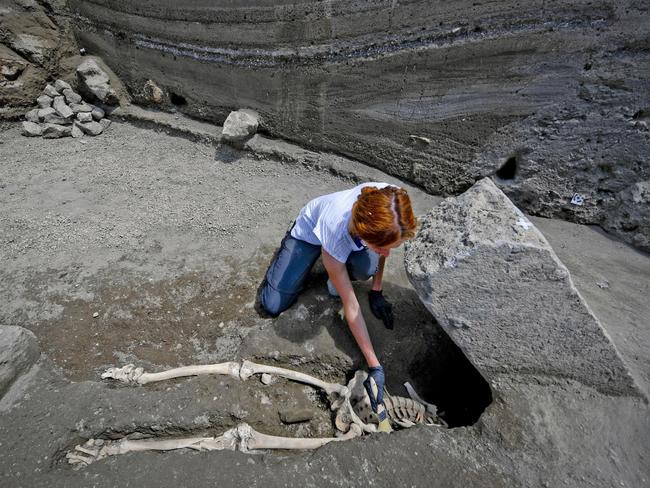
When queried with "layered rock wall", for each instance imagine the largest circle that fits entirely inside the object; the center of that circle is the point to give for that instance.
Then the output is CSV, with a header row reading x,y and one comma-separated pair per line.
x,y
559,92
553,96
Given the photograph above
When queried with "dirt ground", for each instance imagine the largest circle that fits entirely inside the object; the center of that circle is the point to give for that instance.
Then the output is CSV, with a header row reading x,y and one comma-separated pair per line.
x,y
136,246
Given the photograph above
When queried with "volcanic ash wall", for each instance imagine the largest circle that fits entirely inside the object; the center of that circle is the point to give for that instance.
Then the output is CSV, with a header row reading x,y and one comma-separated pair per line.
x,y
552,96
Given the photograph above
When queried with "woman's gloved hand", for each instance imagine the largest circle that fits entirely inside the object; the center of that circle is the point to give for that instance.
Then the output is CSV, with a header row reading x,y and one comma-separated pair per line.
x,y
381,308
377,374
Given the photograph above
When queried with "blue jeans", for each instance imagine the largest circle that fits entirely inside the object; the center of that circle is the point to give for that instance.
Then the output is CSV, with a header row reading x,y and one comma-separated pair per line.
x,y
290,267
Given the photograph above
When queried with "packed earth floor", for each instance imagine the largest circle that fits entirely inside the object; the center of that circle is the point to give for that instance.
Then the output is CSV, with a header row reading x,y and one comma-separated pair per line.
x,y
140,247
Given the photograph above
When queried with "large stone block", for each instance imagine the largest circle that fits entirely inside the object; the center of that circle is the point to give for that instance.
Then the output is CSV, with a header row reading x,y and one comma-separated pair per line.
x,y
18,352
495,285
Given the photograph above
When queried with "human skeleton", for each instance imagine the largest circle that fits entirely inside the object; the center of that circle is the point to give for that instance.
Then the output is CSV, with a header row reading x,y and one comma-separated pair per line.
x,y
354,415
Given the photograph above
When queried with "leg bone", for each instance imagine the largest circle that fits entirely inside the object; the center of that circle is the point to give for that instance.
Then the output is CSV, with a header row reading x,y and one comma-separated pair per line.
x,y
335,390
133,375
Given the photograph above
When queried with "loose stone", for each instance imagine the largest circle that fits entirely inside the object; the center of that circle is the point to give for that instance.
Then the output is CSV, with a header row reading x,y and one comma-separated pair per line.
x,y
44,112
97,81
76,132
32,116
97,113
54,131
61,108
239,126
30,129
61,85
50,91
84,117
294,416
91,128
44,101
55,118
71,96
18,352
105,123
81,107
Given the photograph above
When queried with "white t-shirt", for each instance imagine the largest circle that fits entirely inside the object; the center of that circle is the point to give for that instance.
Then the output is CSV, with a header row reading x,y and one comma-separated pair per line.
x,y
324,222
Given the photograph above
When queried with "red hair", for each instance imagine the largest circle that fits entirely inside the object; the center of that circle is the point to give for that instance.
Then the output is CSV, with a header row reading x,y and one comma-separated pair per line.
x,y
383,216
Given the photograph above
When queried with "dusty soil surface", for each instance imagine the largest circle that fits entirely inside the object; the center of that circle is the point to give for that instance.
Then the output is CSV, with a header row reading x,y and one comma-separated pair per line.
x,y
166,241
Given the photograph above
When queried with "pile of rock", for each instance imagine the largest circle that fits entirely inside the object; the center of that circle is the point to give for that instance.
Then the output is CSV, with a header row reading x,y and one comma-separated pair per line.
x,y
62,112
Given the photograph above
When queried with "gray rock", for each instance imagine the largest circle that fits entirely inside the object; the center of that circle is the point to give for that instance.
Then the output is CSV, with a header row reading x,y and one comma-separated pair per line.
x,y
81,107
55,118
71,96
55,131
493,282
50,91
76,132
61,108
44,112
97,113
44,101
31,129
18,352
32,115
96,81
90,128
61,85
239,125
105,123
84,117
293,416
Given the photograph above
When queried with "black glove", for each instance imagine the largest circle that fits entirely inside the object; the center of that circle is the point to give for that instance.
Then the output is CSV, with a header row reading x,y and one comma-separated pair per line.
x,y
381,308
377,374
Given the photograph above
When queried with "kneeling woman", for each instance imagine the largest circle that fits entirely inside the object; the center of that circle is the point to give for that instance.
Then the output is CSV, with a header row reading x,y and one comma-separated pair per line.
x,y
354,231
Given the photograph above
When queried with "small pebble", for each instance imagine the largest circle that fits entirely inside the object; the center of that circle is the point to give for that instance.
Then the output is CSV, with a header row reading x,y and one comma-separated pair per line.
x,y
95,315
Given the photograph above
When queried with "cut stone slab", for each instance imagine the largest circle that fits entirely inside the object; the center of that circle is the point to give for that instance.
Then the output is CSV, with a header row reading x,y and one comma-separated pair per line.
x,y
71,96
90,128
31,129
50,91
239,126
18,352
55,131
496,286
96,81
61,85
44,101
81,107
61,108
32,116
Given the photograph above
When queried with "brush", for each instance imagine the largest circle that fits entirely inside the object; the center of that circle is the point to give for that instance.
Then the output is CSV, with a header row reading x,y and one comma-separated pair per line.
x,y
384,423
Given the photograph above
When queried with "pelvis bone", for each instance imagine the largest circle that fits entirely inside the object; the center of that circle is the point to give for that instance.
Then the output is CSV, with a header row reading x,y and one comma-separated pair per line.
x,y
352,404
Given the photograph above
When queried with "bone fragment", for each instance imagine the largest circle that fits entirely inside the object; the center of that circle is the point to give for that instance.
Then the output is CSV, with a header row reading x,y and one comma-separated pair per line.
x,y
424,140
432,409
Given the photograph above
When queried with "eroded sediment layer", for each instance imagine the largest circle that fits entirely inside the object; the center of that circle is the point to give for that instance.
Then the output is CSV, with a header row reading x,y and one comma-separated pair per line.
x,y
560,90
